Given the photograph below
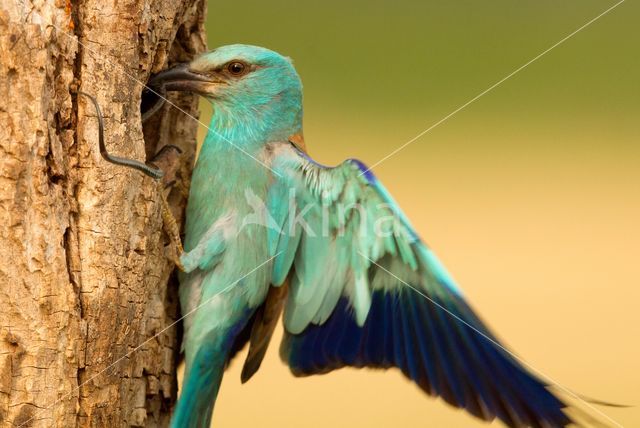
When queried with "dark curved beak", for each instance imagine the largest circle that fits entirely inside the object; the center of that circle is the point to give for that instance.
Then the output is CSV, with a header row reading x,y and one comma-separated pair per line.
x,y
180,78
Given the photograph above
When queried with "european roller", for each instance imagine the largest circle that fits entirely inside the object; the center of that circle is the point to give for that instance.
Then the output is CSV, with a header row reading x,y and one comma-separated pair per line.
x,y
269,230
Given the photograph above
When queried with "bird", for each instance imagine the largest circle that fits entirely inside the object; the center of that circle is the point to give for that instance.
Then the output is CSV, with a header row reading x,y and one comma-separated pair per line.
x,y
271,233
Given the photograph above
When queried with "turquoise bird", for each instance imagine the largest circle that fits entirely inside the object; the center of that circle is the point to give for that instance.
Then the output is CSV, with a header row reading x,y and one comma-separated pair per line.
x,y
268,230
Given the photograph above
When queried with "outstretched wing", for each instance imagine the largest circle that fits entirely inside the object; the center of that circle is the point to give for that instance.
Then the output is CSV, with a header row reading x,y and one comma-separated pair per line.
x,y
365,291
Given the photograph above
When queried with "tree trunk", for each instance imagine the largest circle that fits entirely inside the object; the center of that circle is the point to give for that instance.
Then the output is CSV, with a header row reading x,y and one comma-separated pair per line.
x,y
86,290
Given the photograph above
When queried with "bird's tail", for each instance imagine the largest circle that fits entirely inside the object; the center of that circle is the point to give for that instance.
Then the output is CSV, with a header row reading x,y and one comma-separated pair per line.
x,y
200,389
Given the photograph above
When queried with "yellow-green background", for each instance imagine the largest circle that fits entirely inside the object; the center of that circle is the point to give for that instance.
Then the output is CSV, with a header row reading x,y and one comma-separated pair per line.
x,y
531,195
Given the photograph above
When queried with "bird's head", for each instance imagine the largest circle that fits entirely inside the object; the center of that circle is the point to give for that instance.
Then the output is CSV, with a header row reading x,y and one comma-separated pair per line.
x,y
248,85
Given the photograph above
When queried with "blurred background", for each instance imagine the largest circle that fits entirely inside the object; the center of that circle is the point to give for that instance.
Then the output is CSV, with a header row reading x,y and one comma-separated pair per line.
x,y
530,195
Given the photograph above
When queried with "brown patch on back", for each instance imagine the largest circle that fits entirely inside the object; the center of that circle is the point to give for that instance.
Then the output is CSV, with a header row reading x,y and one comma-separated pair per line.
x,y
298,140
263,327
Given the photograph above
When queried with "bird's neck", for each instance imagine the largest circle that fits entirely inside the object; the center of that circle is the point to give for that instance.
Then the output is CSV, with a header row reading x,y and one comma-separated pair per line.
x,y
250,125
231,161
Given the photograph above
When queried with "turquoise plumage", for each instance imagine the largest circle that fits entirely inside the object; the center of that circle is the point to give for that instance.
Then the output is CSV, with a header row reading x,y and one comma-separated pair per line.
x,y
363,290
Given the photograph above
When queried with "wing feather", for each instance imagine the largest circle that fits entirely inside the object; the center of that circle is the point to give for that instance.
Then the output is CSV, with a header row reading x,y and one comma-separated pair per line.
x,y
366,292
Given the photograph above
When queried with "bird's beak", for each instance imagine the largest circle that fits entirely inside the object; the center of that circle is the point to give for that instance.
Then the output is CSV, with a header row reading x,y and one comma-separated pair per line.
x,y
181,78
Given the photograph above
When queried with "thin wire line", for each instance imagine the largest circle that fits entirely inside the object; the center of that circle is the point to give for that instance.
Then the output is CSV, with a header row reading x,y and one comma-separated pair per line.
x,y
558,385
128,354
499,82
132,77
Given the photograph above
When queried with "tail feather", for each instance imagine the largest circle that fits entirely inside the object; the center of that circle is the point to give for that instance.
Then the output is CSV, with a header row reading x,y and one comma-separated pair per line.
x,y
199,392
203,374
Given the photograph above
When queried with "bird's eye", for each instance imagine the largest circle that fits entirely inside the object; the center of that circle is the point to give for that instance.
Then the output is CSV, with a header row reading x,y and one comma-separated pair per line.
x,y
237,68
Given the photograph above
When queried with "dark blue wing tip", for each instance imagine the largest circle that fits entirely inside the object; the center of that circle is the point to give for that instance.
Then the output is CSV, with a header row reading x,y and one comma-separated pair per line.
x,y
406,331
364,170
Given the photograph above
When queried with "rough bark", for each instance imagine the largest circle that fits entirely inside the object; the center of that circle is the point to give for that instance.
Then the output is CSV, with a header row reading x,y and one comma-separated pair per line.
x,y
85,285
